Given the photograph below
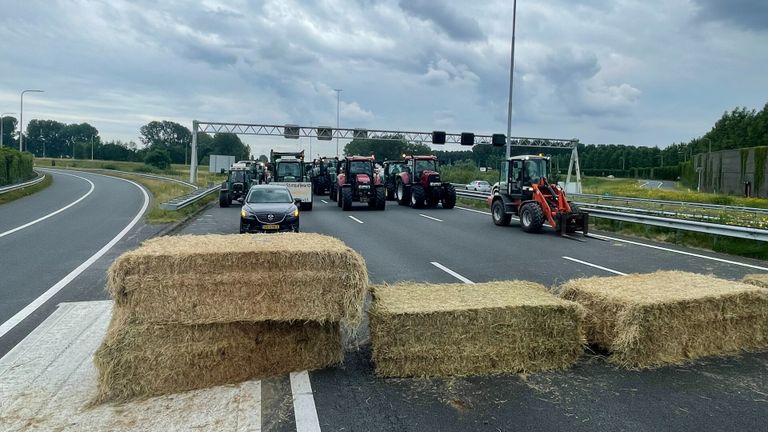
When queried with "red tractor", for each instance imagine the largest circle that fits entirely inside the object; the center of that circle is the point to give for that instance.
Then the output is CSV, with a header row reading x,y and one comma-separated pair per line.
x,y
419,185
358,181
525,192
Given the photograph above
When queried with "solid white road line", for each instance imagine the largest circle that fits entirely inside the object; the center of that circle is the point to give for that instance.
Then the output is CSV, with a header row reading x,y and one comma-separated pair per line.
x,y
474,211
595,266
643,185
681,252
30,308
430,217
49,215
304,403
355,219
452,273
324,201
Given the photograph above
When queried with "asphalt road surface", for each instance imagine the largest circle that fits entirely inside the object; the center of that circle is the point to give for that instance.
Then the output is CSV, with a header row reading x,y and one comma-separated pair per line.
x,y
437,245
657,184
49,239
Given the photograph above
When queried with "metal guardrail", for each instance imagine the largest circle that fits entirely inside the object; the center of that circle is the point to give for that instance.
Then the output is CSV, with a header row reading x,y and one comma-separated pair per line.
x,y
40,177
673,203
152,176
611,212
185,200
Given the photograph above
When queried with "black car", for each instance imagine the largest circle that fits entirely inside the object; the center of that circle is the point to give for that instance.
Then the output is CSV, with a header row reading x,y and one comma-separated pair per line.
x,y
269,208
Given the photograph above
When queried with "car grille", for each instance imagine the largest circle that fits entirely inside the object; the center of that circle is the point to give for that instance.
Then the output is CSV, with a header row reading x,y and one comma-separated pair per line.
x,y
264,218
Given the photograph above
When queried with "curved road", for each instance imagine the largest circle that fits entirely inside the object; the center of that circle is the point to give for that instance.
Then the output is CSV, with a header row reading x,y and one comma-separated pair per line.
x,y
50,243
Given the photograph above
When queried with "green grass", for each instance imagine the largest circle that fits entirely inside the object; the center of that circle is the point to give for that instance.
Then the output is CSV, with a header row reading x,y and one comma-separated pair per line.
x,y
176,171
21,193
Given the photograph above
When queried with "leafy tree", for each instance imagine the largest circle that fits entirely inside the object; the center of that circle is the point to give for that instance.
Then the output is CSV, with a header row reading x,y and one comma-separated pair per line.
x,y
389,148
158,158
169,136
263,158
230,144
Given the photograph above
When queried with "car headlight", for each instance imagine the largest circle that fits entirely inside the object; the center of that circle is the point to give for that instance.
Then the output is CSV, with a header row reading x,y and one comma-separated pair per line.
x,y
243,213
296,212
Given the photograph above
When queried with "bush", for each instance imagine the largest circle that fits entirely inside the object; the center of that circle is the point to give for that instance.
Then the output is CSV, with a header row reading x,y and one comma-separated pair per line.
x,y
149,169
158,158
15,166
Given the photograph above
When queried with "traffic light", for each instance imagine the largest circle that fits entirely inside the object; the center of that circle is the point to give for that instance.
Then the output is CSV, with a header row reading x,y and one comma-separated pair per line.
x,y
467,138
438,137
498,140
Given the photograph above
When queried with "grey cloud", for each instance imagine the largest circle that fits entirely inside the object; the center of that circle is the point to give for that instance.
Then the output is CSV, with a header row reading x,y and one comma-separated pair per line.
x,y
749,14
459,27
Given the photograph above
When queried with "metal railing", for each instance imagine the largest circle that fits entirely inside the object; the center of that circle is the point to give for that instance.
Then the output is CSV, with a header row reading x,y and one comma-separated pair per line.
x,y
656,217
190,198
40,177
688,204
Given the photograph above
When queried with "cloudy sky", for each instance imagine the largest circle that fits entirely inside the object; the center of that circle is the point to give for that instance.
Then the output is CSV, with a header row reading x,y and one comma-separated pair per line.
x,y
644,72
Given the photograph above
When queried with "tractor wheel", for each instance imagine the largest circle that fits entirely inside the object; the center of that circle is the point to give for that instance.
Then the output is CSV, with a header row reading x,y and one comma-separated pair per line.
x,y
574,209
223,199
390,192
433,201
499,213
531,217
401,194
338,198
449,196
381,198
346,198
417,196
332,192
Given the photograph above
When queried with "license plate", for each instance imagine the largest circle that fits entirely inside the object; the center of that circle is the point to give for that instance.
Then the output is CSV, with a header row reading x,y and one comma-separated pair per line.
x,y
363,199
270,227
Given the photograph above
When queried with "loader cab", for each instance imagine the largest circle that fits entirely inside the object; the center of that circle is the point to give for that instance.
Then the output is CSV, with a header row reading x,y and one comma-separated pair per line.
x,y
520,172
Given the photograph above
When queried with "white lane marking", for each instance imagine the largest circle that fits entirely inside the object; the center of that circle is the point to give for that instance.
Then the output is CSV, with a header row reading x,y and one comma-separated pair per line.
x,y
355,219
595,266
681,252
643,185
49,215
324,201
660,185
52,291
250,419
473,211
430,217
304,403
452,273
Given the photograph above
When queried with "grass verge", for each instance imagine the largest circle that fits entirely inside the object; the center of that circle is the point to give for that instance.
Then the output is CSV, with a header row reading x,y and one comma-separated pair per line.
x,y
21,193
163,191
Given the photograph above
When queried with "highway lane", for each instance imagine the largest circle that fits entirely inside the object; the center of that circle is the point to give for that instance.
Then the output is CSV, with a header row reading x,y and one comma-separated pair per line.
x,y
40,256
402,243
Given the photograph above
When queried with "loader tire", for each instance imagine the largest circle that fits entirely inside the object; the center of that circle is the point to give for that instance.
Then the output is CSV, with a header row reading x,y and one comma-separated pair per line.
x,y
499,213
531,217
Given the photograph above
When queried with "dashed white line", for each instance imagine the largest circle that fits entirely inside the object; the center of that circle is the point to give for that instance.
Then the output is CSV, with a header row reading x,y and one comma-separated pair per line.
x,y
680,252
595,266
49,215
304,403
452,273
356,219
30,308
324,201
430,217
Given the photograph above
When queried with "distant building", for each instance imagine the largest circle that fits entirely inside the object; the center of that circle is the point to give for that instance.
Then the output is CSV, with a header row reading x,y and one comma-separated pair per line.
x,y
734,172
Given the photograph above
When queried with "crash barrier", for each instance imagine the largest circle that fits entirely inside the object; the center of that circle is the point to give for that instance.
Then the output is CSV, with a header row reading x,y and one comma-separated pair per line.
x,y
40,177
197,311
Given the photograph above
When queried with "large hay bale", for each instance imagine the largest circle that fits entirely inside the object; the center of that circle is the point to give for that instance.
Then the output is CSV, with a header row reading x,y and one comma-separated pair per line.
x,y
457,330
227,278
669,317
142,360
760,280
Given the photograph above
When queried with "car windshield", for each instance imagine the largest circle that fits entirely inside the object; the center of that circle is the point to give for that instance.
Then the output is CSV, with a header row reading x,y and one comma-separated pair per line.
x,y
422,165
359,167
269,195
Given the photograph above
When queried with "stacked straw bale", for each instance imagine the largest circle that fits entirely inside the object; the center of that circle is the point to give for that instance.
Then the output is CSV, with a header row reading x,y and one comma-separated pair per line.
x,y
460,330
669,317
760,280
197,311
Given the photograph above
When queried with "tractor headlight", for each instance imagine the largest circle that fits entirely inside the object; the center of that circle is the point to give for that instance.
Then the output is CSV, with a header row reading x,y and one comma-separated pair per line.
x,y
365,186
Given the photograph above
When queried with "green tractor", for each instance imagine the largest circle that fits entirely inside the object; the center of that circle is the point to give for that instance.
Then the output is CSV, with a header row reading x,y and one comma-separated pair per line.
x,y
236,186
289,169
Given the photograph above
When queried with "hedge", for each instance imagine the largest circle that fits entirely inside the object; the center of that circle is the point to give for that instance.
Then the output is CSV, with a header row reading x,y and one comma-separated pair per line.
x,y
15,166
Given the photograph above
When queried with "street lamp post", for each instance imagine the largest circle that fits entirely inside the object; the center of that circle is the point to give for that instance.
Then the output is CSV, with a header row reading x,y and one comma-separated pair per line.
x,y
2,116
511,77
21,117
338,93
